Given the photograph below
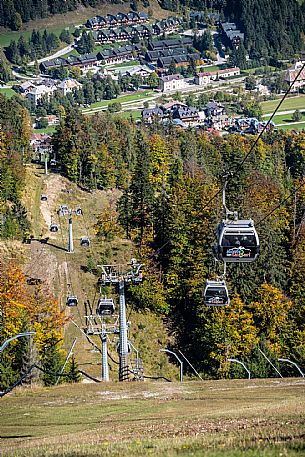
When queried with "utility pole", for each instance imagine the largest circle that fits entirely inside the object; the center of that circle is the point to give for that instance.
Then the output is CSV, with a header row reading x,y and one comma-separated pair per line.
x,y
46,164
105,372
70,247
123,352
114,274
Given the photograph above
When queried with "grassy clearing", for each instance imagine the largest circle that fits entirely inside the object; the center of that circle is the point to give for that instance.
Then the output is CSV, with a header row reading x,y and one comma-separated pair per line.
x,y
50,130
292,103
123,98
292,126
124,64
7,92
136,114
7,37
211,418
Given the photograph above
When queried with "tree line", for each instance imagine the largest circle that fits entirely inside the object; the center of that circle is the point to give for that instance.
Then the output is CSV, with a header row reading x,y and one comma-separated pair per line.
x,y
168,178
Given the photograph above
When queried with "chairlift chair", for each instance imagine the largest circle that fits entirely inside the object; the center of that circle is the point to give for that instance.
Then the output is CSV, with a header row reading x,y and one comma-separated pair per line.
x,y
53,228
52,162
44,197
84,241
78,211
237,241
216,293
105,307
72,300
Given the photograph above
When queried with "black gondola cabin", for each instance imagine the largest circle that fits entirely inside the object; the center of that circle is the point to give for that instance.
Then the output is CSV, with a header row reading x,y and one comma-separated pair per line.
x,y
237,241
72,300
84,241
216,293
105,307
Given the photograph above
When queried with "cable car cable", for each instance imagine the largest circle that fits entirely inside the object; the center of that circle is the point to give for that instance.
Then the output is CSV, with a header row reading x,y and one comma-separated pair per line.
x,y
292,194
258,137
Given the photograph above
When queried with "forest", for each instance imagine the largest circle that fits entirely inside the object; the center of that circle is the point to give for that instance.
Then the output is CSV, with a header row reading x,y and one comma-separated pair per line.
x,y
170,183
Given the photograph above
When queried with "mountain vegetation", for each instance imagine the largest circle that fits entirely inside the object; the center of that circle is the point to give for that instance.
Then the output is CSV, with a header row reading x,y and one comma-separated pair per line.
x,y
170,183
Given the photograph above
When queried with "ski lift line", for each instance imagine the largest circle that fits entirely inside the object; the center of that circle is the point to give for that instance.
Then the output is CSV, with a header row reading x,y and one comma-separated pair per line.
x,y
230,172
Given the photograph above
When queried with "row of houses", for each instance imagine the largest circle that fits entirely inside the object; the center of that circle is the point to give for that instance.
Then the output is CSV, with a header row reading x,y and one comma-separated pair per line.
x,y
232,34
114,35
89,61
211,117
115,20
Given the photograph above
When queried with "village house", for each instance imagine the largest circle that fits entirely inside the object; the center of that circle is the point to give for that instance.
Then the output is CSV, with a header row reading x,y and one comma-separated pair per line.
x,y
187,114
149,114
179,60
232,35
291,74
213,109
251,125
203,79
38,92
167,26
122,34
120,19
68,85
158,45
171,82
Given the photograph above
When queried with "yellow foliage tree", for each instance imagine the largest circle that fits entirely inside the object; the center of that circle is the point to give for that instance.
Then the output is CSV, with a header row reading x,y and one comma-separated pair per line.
x,y
270,312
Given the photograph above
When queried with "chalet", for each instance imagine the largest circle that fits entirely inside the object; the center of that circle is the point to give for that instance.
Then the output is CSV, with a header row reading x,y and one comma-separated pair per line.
x,y
187,114
68,85
213,108
202,18
120,19
170,106
158,45
171,82
179,60
169,25
149,114
292,73
232,34
251,125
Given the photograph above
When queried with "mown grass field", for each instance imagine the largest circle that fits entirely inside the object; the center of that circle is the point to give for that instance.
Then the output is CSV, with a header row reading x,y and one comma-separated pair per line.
x,y
291,103
212,418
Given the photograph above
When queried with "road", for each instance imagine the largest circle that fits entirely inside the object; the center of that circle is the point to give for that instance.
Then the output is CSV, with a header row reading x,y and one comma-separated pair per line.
x,y
59,53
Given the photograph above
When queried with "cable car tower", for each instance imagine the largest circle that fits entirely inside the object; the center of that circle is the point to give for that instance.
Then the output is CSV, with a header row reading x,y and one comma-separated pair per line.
x,y
119,275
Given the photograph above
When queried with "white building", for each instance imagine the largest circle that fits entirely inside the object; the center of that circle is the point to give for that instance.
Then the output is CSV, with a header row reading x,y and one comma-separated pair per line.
x,y
36,93
203,79
292,73
68,85
171,82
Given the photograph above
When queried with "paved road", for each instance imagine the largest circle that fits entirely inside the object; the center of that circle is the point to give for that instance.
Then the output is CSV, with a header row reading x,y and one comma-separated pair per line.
x,y
59,53
281,112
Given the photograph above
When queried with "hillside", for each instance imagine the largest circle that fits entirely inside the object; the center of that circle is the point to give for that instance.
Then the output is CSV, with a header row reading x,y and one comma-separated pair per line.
x,y
46,259
215,419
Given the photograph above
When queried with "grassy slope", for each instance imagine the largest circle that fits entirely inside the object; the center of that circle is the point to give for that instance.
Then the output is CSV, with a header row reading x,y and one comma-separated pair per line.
x,y
51,263
211,418
58,22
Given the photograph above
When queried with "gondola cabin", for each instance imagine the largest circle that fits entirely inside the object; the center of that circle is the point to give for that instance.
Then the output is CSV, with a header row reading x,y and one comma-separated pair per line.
x,y
44,198
105,307
53,228
53,163
72,300
216,293
237,241
84,241
78,211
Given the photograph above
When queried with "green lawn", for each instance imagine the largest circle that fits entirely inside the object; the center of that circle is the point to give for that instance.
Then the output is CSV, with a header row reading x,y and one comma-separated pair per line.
x,y
123,98
256,418
291,103
7,92
7,37
211,68
136,114
45,130
125,64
